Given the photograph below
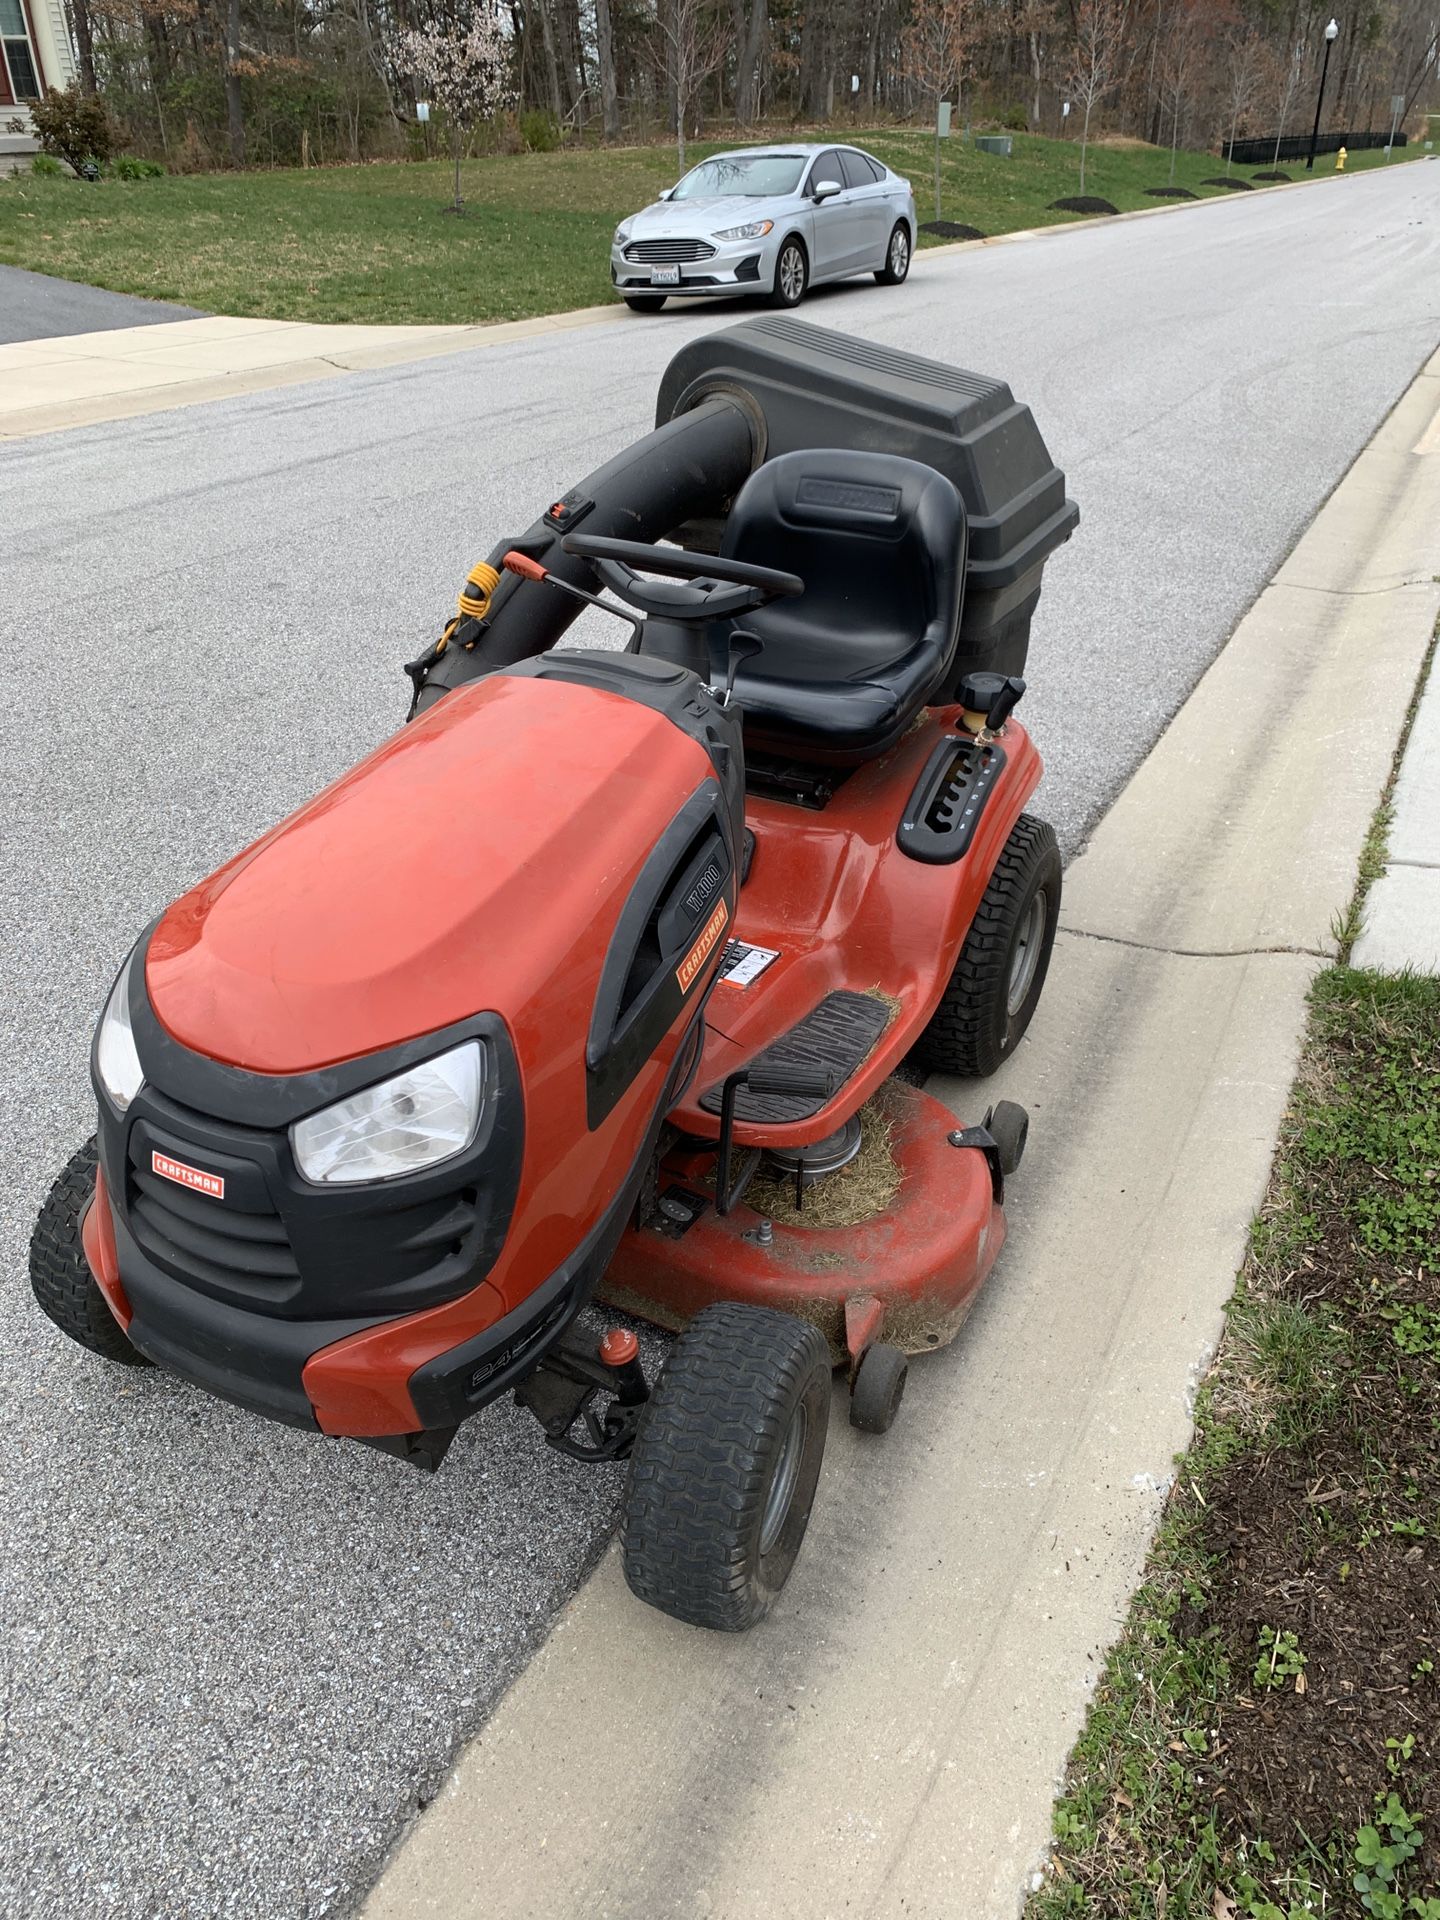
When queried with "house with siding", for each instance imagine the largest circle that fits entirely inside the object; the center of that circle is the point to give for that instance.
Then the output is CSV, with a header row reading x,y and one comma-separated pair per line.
x,y
35,55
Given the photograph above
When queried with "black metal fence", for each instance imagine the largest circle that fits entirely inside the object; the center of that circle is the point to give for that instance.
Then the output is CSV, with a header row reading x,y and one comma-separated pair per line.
x,y
1296,146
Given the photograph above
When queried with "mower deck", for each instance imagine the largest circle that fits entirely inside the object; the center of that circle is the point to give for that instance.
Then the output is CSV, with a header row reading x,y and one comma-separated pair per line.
x,y
908,1273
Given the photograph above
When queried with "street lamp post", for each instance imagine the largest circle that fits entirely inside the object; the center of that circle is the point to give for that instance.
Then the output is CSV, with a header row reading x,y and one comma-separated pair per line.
x,y
1331,32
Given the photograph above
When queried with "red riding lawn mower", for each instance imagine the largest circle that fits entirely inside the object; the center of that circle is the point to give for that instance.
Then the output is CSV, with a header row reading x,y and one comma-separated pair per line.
x,y
603,976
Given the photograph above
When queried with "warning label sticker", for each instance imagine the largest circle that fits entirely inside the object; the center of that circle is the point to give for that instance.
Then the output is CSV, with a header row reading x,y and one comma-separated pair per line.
x,y
743,963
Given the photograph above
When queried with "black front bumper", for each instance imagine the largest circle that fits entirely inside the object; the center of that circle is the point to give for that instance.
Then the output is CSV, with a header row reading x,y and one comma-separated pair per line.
x,y
238,1286
258,1361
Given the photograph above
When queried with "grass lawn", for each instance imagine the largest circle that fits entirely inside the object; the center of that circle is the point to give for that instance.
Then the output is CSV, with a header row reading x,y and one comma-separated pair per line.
x,y
1265,1740
372,243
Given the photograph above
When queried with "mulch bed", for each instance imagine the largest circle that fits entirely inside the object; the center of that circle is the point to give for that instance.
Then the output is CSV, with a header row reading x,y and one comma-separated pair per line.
x,y
1338,1539
1231,185
1082,203
951,230
1365,1619
1170,193
1272,174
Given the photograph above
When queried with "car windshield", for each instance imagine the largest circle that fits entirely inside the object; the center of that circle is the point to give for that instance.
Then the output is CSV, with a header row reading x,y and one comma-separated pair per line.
x,y
755,174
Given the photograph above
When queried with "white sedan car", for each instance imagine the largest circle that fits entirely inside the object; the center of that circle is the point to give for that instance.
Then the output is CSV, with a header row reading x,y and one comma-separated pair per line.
x,y
767,220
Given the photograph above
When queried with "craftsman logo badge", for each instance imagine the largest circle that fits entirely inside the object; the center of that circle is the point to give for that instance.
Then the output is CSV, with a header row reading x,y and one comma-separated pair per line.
x,y
694,960
184,1176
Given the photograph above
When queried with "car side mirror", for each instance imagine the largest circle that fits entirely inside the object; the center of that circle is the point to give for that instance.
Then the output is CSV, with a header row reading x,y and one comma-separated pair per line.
x,y
826,189
664,193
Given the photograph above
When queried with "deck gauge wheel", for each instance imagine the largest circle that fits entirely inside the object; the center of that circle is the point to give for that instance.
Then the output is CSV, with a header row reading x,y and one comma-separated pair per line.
x,y
879,1388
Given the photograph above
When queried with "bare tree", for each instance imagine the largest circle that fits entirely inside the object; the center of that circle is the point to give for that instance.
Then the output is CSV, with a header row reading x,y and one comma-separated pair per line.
x,y
936,51
605,59
465,71
1177,73
1284,78
1095,64
84,35
1035,22
234,102
693,41
1244,77
749,19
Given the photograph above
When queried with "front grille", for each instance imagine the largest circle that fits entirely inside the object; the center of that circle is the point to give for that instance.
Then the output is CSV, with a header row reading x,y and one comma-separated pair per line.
x,y
664,253
196,1238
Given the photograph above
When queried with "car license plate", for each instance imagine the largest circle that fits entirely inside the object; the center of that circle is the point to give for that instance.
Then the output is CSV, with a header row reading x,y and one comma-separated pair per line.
x,y
665,276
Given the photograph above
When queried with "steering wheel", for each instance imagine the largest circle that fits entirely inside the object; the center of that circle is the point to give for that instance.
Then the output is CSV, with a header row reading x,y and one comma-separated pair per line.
x,y
715,589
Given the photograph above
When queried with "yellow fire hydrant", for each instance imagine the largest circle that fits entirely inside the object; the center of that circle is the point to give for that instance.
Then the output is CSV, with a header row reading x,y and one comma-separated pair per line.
x,y
1340,160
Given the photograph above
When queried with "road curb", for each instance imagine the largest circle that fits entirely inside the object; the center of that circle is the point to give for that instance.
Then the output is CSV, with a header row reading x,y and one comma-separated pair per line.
x,y
890,1740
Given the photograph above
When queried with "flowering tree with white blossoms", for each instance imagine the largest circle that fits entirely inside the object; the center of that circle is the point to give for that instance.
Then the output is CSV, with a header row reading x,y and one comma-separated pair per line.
x,y
465,71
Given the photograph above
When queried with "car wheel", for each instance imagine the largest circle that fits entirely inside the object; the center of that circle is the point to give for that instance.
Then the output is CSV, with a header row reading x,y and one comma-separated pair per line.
x,y
897,257
792,275
645,302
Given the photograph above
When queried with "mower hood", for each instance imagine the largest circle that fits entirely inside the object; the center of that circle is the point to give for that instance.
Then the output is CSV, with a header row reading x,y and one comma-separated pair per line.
x,y
470,863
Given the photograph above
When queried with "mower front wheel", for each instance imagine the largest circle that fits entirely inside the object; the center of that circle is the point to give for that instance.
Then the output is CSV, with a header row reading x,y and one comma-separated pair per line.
x,y
998,978
60,1274
723,1475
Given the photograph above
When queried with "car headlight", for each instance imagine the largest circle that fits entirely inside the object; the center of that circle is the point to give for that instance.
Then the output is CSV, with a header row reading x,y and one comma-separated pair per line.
x,y
622,234
752,230
414,1120
116,1061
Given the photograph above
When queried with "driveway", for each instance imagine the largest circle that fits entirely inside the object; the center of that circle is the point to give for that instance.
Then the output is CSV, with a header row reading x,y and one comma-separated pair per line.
x,y
239,1656
33,306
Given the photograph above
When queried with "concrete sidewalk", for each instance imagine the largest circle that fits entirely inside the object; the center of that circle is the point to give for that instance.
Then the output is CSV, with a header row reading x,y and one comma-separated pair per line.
x,y
889,1742
1402,908
82,378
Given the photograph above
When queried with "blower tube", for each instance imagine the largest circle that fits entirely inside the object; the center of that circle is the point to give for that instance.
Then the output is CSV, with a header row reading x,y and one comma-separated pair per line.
x,y
689,469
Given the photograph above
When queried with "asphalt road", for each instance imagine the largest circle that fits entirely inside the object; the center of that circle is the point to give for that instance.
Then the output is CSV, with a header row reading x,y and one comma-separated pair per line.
x,y
36,306
236,1657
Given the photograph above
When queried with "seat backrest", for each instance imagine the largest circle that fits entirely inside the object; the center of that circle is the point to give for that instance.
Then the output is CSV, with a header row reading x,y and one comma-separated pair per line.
x,y
880,544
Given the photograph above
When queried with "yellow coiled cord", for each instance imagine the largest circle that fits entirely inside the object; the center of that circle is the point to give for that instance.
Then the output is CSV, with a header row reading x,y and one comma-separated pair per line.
x,y
479,585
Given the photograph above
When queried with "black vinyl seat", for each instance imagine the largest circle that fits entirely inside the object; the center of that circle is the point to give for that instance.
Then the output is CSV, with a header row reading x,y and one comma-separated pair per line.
x,y
880,544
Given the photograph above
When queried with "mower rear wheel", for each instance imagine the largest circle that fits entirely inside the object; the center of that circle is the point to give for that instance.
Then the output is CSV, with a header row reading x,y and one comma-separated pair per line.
x,y
998,978
60,1274
879,1385
723,1475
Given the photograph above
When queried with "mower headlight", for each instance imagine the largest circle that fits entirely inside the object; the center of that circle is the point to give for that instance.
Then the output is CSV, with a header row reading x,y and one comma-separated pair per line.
x,y
418,1118
116,1061
752,230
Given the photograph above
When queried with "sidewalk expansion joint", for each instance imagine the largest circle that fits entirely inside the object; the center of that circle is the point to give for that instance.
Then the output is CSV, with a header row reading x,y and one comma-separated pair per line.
x,y
1193,953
